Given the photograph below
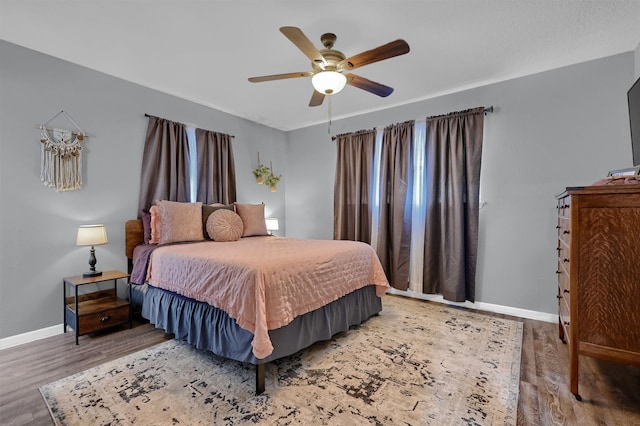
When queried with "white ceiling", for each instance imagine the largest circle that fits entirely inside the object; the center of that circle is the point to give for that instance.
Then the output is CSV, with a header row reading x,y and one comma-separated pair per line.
x,y
204,51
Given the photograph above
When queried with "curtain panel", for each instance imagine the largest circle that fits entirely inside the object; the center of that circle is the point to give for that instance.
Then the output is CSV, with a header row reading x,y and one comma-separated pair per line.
x,y
453,159
396,190
216,167
353,183
165,163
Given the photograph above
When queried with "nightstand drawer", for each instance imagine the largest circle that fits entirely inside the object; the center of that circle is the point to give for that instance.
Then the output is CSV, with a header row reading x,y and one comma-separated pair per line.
x,y
105,319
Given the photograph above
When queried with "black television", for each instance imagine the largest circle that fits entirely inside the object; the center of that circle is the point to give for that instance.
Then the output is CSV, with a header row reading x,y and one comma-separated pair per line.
x,y
633,99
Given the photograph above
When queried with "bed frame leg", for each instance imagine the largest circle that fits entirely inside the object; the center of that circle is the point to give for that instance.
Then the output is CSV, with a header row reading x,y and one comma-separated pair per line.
x,y
260,372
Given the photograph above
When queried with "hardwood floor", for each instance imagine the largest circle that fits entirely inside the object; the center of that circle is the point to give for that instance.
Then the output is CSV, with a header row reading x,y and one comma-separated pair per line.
x,y
610,392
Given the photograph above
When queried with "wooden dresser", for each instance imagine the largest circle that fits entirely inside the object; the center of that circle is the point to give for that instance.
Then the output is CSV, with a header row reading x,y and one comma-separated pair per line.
x,y
599,274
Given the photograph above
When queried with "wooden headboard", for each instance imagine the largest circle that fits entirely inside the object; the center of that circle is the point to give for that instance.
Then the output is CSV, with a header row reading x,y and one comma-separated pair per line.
x,y
133,235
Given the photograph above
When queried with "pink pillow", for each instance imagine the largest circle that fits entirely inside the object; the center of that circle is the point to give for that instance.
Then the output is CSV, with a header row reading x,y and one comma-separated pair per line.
x,y
179,221
155,225
208,209
252,216
224,225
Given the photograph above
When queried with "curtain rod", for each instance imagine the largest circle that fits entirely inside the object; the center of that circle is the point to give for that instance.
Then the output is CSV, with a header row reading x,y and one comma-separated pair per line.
x,y
487,110
195,126
184,124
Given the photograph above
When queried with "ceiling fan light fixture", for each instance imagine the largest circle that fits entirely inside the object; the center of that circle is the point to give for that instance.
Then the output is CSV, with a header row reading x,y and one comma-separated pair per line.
x,y
328,82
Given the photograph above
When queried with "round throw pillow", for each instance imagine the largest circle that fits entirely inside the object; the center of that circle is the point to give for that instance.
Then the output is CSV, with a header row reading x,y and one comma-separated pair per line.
x,y
224,225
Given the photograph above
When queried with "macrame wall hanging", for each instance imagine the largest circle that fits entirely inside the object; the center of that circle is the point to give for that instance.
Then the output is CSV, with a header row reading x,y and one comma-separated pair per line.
x,y
61,155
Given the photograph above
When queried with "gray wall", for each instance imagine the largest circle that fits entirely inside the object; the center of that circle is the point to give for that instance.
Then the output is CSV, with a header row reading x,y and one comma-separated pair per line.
x,y
560,128
637,62
38,225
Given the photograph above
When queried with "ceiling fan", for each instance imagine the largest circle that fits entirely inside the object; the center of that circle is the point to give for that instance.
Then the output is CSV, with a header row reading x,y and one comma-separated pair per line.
x,y
331,68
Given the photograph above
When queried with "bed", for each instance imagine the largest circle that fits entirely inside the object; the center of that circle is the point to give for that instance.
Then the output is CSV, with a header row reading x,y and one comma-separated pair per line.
x,y
238,300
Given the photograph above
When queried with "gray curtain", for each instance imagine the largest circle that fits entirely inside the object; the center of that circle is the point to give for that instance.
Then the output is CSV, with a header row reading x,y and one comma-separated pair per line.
x,y
396,187
453,155
352,190
165,163
216,168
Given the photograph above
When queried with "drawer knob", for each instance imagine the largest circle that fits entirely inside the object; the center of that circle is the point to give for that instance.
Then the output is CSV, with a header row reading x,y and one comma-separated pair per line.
x,y
105,318
558,272
565,232
565,291
566,323
565,260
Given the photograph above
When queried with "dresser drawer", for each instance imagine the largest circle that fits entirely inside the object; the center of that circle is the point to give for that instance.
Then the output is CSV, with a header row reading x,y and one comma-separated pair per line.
x,y
564,231
563,313
564,285
564,207
564,259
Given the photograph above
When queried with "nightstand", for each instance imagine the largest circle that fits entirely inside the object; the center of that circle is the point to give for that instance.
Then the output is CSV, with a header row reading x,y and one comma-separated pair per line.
x,y
98,310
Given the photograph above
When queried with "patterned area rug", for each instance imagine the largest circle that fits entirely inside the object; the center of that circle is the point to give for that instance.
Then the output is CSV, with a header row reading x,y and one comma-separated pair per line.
x,y
417,363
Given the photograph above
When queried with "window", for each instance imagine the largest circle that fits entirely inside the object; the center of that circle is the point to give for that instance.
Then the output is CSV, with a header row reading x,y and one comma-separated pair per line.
x,y
375,190
193,164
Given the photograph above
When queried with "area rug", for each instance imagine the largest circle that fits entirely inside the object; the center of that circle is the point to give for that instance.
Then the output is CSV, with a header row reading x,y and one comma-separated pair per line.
x,y
416,363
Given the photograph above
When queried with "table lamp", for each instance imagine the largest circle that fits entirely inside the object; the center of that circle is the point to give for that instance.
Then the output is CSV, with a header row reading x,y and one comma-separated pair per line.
x,y
92,235
272,224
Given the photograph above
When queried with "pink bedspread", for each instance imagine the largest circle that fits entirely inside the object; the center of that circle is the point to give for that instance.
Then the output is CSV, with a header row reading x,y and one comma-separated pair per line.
x,y
265,282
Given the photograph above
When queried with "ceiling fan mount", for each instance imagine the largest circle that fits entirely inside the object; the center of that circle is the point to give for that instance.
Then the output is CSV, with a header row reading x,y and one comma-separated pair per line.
x,y
328,39
330,66
331,60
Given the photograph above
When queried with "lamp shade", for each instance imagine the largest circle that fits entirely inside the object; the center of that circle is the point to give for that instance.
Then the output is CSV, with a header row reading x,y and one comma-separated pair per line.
x,y
91,235
272,223
328,82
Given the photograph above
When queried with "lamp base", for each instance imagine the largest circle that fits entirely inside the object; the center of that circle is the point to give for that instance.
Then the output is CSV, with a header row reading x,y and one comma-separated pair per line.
x,y
91,274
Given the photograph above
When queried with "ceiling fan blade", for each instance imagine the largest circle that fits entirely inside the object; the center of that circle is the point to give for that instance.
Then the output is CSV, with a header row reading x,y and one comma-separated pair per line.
x,y
386,51
280,76
298,38
316,99
368,85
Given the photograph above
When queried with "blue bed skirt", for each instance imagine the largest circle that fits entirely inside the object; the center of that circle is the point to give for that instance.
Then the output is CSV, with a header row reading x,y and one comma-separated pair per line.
x,y
210,328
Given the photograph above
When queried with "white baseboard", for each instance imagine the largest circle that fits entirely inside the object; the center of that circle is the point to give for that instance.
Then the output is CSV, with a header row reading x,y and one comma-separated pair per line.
x,y
31,336
481,306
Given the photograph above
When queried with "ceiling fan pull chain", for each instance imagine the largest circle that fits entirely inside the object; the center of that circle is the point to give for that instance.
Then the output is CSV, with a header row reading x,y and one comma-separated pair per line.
x,y
329,129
